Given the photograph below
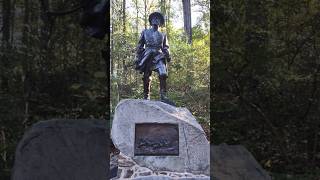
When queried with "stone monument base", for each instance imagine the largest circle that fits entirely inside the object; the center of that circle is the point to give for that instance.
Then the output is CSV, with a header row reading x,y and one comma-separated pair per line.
x,y
160,137
128,169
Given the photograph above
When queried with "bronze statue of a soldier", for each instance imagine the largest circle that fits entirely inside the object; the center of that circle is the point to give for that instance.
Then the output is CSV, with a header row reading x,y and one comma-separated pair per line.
x,y
152,55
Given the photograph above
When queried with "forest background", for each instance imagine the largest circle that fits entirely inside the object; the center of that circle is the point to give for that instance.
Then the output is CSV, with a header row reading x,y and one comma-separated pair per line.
x,y
264,73
266,95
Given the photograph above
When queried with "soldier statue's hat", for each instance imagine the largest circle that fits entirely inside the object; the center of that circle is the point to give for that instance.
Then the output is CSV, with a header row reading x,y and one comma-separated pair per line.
x,y
158,15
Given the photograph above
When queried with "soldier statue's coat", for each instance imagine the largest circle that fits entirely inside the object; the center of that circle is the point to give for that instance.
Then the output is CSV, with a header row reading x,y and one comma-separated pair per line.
x,y
152,52
155,53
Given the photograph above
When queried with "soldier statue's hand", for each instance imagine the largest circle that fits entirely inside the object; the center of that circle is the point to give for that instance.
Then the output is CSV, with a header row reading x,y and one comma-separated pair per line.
x,y
167,56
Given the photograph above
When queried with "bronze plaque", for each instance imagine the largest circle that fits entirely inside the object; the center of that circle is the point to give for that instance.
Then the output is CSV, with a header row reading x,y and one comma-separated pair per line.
x,y
156,139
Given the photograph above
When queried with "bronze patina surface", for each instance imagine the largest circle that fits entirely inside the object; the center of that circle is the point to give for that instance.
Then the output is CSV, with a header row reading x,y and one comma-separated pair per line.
x,y
155,139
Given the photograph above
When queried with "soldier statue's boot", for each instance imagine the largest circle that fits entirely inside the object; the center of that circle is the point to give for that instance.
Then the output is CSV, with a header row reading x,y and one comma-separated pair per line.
x,y
146,87
163,91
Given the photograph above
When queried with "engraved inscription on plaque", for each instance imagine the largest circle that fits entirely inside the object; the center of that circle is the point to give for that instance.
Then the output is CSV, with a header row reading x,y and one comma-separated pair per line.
x,y
156,139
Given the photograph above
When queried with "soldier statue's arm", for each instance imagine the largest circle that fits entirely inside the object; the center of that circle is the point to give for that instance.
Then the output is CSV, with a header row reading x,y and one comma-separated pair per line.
x,y
165,48
141,42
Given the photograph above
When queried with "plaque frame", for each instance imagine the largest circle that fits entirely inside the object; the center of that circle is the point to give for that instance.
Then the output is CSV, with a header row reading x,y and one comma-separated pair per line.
x,y
164,142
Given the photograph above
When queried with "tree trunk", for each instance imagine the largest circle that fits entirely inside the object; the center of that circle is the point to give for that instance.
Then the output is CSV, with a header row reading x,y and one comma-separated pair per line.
x,y
12,19
124,15
45,31
124,31
25,37
4,146
6,11
187,19
26,62
137,20
168,19
137,36
145,15
5,45
163,7
112,39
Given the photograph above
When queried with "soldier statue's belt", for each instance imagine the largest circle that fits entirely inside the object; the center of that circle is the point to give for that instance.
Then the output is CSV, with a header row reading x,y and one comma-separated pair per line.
x,y
153,47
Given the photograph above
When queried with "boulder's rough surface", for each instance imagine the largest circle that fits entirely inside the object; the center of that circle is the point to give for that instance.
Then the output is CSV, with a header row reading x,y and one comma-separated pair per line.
x,y
194,149
234,162
64,150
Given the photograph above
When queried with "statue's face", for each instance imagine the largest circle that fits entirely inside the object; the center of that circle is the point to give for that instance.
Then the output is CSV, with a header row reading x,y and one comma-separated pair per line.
x,y
155,21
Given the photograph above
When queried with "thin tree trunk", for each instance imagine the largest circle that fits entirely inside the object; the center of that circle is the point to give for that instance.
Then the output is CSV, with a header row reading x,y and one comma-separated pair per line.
x,y
187,19
124,31
25,36
5,45
163,7
137,37
6,11
137,20
168,19
145,15
46,28
12,18
112,39
124,15
4,146
26,67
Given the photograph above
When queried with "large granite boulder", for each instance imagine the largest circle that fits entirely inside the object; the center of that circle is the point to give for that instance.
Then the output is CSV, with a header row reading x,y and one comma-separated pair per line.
x,y
234,162
63,150
194,149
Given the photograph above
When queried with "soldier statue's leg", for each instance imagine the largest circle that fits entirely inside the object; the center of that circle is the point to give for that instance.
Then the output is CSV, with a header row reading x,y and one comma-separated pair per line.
x,y
163,74
146,84
163,87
